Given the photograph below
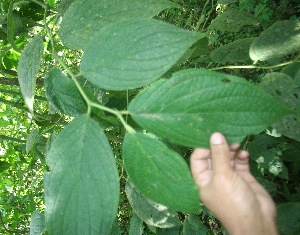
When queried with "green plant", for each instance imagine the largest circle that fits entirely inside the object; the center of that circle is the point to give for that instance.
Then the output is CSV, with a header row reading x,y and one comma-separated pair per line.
x,y
131,105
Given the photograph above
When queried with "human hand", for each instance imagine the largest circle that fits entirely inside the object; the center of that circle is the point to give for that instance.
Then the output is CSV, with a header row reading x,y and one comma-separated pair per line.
x,y
229,190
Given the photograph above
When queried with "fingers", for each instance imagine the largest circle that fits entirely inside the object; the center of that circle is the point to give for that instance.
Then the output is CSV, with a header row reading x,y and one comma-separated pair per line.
x,y
220,152
201,166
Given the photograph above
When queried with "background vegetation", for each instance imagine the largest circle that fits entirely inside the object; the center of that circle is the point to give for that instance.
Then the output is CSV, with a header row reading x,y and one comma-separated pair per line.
x,y
232,28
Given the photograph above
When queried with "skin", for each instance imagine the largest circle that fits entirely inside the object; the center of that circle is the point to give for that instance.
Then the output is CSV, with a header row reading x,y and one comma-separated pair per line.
x,y
230,191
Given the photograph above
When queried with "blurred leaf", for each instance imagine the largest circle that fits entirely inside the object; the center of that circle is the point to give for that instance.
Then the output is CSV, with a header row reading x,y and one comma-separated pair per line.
x,y
84,19
63,94
37,223
115,229
284,89
4,123
136,225
234,52
150,49
4,166
193,226
151,213
232,21
193,104
160,173
32,139
289,218
281,39
28,68
82,187
291,69
168,231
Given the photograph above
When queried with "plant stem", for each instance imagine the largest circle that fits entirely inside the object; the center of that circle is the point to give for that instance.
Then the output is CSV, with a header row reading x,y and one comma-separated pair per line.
x,y
253,66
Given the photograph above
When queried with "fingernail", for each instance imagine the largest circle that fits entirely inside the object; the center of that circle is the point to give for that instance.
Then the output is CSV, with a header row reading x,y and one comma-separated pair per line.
x,y
217,138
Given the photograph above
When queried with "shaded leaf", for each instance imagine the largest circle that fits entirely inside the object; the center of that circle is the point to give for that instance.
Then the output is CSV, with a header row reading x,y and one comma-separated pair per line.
x,y
281,39
232,21
193,104
82,187
192,226
168,231
32,139
84,19
151,213
28,68
4,166
284,89
115,229
160,173
37,223
148,50
136,225
237,51
289,218
63,94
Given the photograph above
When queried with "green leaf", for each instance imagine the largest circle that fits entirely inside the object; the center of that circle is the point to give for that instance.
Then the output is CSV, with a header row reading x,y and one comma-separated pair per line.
x,y
168,231
151,213
192,226
149,48
284,89
28,68
115,229
37,223
32,139
4,166
193,104
136,225
232,21
160,173
82,187
237,51
281,39
289,218
63,94
84,19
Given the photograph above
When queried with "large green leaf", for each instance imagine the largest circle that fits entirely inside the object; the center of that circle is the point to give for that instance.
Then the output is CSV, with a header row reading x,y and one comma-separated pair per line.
x,y
160,173
134,53
28,68
281,39
37,223
284,89
151,213
63,94
82,187
232,21
192,226
289,218
193,104
168,231
237,51
84,19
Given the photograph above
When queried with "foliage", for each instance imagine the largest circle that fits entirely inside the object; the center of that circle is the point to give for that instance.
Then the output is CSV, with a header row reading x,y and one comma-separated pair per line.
x,y
113,95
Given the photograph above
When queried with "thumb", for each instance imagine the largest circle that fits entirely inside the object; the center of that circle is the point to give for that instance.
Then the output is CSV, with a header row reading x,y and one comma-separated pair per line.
x,y
220,153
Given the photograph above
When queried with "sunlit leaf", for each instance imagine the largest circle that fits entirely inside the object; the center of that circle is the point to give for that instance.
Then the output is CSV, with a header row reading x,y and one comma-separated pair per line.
x,y
151,213
193,104
149,48
63,94
28,68
37,223
281,39
168,231
160,173
84,19
82,187
193,226
288,218
232,21
237,51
